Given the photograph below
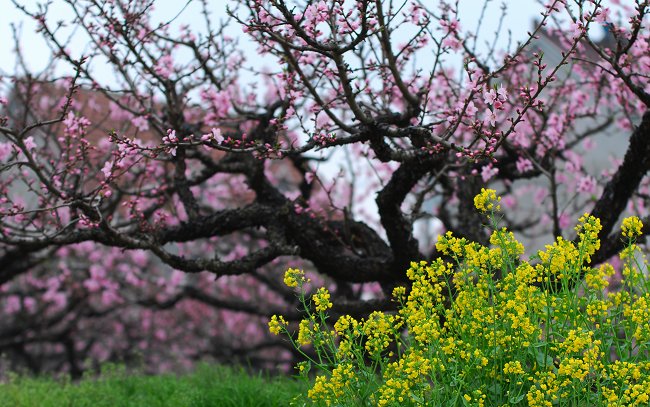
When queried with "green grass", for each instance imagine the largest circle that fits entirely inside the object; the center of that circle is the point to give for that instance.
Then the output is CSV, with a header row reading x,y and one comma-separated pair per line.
x,y
208,386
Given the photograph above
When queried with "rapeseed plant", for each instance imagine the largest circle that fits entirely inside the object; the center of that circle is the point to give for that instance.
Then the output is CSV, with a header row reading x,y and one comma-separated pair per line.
x,y
488,328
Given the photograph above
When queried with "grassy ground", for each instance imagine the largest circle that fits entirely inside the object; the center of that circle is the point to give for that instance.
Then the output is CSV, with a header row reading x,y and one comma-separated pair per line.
x,y
208,386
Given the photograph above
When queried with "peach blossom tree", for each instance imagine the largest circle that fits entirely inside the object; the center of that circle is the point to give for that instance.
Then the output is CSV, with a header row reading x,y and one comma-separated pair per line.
x,y
148,215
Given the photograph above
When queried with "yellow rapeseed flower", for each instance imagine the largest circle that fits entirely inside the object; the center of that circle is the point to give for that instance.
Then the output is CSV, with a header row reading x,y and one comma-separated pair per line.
x,y
276,324
379,329
331,390
597,278
292,277
487,200
345,323
399,293
631,227
588,230
490,322
322,299
305,334
513,368
506,240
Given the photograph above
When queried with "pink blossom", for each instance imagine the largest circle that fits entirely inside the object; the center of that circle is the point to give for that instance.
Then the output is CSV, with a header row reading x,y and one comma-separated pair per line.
x,y
489,96
452,42
69,122
220,102
577,29
524,165
574,161
587,185
451,26
57,298
29,143
97,272
165,66
30,304
214,135
160,334
520,139
588,144
416,12
488,171
509,201
139,257
107,169
471,109
141,123
603,15
110,297
473,84
12,304
142,34
490,117
264,16
564,221
170,138
502,93
5,150
176,278
92,285
322,7
117,113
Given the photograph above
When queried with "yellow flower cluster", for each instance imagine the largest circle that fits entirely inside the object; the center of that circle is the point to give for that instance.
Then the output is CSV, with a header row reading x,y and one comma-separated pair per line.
x,y
505,239
380,330
631,227
276,324
485,330
399,293
322,299
406,380
638,315
306,331
513,368
487,201
448,244
345,324
294,277
576,341
588,229
478,398
562,261
545,390
597,312
331,390
598,278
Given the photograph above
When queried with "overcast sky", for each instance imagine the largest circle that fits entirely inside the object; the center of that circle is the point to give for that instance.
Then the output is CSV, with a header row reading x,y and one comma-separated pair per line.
x,y
519,18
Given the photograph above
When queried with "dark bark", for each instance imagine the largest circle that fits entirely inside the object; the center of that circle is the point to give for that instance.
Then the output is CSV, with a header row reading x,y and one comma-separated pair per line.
x,y
622,185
